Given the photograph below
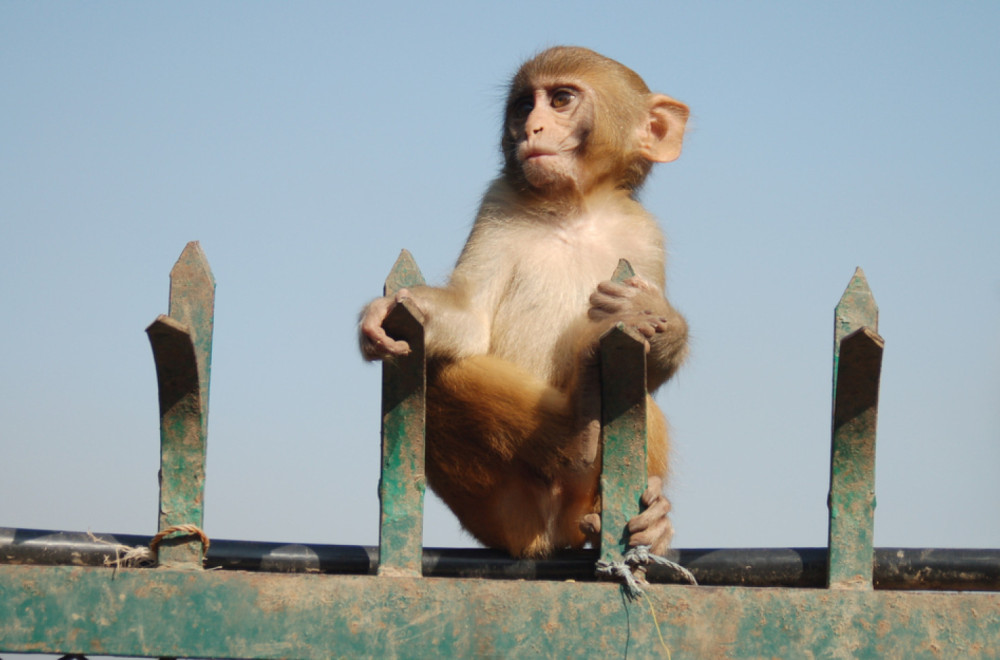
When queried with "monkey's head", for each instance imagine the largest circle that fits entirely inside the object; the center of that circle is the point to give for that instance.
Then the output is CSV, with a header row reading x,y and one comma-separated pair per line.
x,y
576,120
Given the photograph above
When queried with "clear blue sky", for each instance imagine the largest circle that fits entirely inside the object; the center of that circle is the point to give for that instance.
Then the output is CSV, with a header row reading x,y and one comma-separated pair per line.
x,y
304,144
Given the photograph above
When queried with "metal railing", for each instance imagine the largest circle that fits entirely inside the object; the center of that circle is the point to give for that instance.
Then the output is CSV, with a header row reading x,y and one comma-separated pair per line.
x,y
80,593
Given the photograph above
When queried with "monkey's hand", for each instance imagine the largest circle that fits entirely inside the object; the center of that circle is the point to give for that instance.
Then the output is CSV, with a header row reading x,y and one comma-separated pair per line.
x,y
635,302
641,305
376,344
651,527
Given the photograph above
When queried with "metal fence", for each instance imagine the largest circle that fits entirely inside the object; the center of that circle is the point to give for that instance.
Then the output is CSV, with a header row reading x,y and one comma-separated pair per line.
x,y
78,593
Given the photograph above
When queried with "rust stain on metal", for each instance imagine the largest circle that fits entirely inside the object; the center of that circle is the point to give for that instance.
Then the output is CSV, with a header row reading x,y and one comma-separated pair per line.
x,y
155,589
277,595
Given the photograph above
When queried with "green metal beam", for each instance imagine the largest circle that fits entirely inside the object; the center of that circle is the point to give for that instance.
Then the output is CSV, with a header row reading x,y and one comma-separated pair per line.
x,y
235,614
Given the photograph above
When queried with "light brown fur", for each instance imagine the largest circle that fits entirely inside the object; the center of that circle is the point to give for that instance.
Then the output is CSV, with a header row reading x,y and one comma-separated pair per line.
x,y
513,398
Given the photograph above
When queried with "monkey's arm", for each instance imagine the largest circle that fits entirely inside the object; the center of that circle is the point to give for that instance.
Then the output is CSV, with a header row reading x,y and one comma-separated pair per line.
x,y
454,325
457,316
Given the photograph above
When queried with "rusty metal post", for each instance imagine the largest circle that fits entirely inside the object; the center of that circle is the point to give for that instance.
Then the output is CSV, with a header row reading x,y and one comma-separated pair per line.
x,y
182,350
623,430
855,310
857,368
402,483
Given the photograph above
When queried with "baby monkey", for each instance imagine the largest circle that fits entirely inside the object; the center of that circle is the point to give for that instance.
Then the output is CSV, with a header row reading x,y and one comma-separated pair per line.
x,y
513,399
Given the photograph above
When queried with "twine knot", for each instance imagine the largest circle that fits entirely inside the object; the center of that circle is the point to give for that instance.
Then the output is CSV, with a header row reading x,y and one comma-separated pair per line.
x,y
636,557
181,530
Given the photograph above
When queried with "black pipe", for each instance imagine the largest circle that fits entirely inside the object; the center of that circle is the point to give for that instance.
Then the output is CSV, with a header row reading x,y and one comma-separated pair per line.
x,y
895,568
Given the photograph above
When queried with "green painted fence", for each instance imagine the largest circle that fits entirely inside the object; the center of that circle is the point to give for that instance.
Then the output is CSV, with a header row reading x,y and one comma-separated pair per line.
x,y
74,593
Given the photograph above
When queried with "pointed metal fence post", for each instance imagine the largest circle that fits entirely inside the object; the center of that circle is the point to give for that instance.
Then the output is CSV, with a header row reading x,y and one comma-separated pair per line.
x,y
623,430
402,483
182,350
857,367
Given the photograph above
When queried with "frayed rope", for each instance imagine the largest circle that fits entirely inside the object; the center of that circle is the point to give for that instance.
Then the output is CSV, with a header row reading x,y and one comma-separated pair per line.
x,y
126,556
634,558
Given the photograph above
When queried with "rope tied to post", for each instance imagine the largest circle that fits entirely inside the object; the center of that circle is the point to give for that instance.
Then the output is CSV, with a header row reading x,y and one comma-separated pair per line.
x,y
636,557
142,555
619,570
180,530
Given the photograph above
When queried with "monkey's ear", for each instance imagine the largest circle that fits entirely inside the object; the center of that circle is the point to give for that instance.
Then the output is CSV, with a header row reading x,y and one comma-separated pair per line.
x,y
661,134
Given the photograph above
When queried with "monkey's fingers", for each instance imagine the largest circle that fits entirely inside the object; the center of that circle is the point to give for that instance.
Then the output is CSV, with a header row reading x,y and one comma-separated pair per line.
x,y
641,283
656,536
377,349
590,524
646,327
660,324
656,511
616,289
652,527
603,305
376,344
654,489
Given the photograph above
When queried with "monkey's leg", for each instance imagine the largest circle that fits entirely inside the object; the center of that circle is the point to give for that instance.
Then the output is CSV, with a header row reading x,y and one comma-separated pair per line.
x,y
651,526
503,452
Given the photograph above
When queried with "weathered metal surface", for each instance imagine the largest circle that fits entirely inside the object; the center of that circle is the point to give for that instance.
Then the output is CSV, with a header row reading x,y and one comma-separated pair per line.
x,y
182,446
852,461
403,482
895,568
623,429
856,309
857,364
234,614
623,271
404,273
192,302
182,350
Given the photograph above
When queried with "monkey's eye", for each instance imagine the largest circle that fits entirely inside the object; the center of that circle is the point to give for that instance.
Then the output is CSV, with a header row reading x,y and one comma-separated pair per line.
x,y
562,98
522,107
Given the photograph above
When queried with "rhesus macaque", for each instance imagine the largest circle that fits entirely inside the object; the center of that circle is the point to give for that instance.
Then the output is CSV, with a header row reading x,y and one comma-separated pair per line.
x,y
513,400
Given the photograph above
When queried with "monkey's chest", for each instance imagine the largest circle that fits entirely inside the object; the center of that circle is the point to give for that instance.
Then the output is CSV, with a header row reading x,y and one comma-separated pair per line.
x,y
548,291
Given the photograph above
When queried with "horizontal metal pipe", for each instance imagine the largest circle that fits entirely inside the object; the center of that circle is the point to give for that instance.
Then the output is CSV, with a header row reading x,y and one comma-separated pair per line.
x,y
895,568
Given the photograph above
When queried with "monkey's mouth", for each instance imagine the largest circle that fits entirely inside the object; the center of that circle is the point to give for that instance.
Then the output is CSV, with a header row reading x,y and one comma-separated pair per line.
x,y
532,153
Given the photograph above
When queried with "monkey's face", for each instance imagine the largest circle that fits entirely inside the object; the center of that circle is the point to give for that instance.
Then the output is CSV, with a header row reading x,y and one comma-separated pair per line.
x,y
546,132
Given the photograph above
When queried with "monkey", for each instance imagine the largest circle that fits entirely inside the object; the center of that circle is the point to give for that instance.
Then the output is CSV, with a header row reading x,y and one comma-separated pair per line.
x,y
513,398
